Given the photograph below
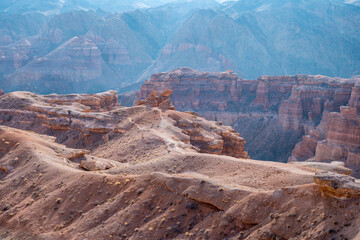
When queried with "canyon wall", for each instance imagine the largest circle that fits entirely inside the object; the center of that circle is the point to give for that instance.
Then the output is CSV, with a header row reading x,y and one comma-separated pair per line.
x,y
272,113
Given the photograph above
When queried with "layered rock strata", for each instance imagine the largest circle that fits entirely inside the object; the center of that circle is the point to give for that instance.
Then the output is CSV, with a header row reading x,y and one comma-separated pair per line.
x,y
337,185
343,138
162,101
271,113
88,121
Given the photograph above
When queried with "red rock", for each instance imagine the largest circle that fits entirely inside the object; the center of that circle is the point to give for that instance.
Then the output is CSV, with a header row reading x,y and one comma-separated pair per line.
x,y
343,138
262,95
162,101
90,120
337,185
307,148
298,103
96,102
344,128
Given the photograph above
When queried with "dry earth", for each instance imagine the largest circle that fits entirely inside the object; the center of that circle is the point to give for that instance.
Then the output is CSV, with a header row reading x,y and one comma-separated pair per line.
x,y
152,182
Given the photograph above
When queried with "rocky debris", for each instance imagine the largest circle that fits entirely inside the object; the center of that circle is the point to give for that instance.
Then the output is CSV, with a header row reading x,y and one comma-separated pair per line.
x,y
337,185
4,169
79,153
162,101
211,138
283,105
93,165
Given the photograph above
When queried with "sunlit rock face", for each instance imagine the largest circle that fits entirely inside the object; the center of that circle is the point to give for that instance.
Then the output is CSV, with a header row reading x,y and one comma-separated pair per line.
x,y
343,138
89,120
272,112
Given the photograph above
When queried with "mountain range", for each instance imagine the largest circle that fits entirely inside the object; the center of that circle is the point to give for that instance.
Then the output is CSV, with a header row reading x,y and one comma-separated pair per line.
x,y
87,46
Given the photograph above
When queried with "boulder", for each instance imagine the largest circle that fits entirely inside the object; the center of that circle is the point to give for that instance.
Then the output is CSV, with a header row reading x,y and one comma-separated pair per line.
x,y
162,101
337,185
95,165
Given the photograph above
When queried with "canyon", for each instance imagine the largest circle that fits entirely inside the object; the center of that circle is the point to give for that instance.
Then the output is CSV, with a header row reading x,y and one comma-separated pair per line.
x,y
81,166
81,47
107,131
282,118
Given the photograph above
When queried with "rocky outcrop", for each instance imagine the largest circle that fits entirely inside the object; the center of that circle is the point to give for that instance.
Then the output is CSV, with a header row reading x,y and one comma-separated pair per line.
x,y
306,149
272,113
87,121
2,92
93,165
337,185
343,138
334,167
96,102
214,139
162,101
79,116
355,97
306,104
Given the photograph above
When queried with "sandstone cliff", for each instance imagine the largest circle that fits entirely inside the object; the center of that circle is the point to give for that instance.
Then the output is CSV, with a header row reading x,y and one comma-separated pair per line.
x,y
337,137
343,138
271,113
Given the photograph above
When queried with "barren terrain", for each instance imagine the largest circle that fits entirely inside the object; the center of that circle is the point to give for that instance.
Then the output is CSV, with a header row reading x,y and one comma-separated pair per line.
x,y
156,174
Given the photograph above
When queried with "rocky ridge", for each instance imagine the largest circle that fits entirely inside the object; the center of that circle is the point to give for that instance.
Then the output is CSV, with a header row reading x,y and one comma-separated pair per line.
x,y
87,121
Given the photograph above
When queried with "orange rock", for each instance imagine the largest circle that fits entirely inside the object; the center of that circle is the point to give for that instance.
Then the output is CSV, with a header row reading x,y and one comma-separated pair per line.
x,y
162,101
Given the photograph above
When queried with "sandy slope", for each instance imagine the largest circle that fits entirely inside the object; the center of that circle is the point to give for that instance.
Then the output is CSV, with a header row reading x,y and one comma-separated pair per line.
x,y
178,195
156,174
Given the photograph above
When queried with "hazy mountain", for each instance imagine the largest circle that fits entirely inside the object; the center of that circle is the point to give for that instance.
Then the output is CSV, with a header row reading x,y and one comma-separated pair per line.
x,y
50,7
104,50
268,38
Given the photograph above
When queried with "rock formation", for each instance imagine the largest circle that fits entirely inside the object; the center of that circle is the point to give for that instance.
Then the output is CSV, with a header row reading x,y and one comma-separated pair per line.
x,y
2,92
88,121
355,97
337,185
343,138
272,113
95,102
162,101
